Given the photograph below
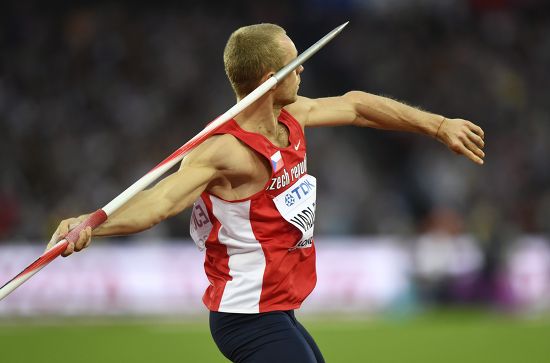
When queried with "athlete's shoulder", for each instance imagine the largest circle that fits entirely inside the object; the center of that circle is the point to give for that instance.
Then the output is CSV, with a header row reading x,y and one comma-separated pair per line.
x,y
301,109
218,151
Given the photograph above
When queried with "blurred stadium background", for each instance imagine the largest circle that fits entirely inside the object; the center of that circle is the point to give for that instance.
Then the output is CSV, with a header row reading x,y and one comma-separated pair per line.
x,y
423,256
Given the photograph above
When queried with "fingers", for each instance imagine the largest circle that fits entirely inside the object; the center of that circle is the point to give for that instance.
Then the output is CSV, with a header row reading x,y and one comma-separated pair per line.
x,y
474,148
476,129
466,138
53,240
63,228
474,143
89,238
69,250
470,155
67,225
84,239
476,139
59,234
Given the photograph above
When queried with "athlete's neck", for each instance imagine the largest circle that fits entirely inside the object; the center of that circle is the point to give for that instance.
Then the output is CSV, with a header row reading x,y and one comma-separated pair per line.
x,y
260,117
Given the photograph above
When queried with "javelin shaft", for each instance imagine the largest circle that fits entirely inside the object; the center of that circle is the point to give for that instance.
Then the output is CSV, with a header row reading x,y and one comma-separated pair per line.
x,y
100,216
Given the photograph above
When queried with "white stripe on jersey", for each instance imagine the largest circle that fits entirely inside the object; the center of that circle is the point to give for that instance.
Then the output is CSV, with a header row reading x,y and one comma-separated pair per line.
x,y
246,257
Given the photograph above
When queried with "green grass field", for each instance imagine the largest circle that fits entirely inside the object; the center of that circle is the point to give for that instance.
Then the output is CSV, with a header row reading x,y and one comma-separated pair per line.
x,y
446,337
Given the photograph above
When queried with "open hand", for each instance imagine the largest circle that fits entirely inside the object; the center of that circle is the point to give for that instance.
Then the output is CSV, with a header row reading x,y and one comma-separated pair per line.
x,y
463,137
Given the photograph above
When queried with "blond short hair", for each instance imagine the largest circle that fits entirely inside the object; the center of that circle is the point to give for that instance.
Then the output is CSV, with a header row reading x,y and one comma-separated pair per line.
x,y
250,52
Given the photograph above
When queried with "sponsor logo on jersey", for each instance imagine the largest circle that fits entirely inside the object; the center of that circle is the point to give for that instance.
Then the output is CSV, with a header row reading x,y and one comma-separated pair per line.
x,y
289,200
297,206
302,189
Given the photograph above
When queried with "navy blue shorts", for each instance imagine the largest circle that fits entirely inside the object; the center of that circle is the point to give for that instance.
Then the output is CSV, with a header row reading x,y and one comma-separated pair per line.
x,y
275,337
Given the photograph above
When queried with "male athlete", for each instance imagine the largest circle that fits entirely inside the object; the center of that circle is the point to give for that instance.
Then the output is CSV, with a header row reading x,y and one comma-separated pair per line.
x,y
254,202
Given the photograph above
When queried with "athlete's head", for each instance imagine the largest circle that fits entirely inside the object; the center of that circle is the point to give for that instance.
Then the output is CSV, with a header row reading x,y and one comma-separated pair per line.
x,y
254,53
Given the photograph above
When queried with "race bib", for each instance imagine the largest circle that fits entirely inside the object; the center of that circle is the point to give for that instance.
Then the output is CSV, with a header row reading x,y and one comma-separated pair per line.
x,y
297,206
200,225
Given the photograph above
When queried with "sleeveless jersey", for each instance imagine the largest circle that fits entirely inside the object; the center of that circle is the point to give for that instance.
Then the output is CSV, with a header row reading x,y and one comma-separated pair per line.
x,y
260,254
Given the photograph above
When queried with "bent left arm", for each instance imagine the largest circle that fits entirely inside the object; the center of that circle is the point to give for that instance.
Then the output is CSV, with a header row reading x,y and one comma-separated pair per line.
x,y
368,110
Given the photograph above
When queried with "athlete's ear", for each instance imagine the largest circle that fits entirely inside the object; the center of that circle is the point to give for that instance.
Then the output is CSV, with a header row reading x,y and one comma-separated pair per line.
x,y
266,77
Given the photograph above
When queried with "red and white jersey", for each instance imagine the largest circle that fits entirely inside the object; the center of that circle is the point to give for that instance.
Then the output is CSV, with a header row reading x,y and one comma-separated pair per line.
x,y
260,254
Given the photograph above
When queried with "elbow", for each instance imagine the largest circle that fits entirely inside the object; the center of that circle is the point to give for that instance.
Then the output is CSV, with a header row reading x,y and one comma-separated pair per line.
x,y
154,221
171,208
160,216
357,98
146,221
353,96
142,224
356,102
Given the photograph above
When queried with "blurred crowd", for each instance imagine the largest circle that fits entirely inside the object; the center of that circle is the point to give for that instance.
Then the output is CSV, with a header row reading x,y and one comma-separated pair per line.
x,y
94,95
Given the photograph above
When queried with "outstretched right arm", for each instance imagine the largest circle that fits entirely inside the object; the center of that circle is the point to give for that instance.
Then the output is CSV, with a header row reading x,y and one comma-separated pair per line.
x,y
167,198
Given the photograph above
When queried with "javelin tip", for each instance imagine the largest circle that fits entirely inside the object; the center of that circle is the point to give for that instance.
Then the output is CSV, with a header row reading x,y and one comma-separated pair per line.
x,y
339,28
283,72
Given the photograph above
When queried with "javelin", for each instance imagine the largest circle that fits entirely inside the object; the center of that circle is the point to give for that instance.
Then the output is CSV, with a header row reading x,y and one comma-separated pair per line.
x,y
98,217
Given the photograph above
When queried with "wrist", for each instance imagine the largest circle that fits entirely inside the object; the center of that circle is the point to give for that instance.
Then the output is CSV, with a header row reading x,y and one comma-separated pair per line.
x,y
439,127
